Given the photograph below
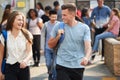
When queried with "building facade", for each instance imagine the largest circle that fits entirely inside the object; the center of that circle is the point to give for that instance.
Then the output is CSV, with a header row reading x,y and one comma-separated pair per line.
x,y
19,5
25,5
92,3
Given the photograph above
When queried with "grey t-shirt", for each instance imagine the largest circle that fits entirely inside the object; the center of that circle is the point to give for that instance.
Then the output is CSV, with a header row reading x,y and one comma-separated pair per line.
x,y
49,26
72,49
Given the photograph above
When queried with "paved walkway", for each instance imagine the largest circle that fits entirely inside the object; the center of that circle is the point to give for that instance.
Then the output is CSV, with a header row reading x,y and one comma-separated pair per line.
x,y
96,71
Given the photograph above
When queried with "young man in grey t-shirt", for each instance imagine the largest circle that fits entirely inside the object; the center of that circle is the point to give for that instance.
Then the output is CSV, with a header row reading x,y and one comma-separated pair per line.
x,y
50,56
75,50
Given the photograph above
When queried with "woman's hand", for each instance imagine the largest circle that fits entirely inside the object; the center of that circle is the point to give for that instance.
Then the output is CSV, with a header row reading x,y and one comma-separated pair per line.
x,y
23,64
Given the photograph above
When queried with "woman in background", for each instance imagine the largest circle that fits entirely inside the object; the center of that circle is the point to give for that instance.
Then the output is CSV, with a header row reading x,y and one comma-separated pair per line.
x,y
4,19
35,25
40,9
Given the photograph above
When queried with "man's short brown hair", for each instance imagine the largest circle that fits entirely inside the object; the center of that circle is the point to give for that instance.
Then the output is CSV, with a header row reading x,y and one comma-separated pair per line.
x,y
70,7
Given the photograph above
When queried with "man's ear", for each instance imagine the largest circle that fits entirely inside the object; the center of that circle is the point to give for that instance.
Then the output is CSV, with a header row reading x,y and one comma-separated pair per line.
x,y
73,13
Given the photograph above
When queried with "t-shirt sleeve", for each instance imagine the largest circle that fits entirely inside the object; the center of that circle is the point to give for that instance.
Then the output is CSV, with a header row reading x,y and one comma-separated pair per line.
x,y
114,18
87,34
2,39
55,30
40,20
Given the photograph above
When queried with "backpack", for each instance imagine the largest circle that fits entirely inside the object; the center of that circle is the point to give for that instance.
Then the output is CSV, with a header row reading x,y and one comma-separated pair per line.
x,y
0,28
4,33
55,49
3,26
62,26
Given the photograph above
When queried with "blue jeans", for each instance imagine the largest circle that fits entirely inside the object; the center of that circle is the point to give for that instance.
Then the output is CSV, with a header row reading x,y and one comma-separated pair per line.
x,y
50,58
102,36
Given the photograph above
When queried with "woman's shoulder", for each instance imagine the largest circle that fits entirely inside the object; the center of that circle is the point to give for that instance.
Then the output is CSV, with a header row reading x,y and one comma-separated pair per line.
x,y
39,19
115,18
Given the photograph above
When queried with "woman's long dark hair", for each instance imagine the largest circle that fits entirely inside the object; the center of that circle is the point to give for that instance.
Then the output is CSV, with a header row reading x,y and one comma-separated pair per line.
x,y
40,5
5,15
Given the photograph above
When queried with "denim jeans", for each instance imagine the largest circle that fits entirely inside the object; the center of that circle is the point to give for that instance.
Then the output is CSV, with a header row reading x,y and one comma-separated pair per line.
x,y
102,36
50,58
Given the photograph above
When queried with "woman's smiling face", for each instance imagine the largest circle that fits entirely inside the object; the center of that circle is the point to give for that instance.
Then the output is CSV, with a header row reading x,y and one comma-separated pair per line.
x,y
18,22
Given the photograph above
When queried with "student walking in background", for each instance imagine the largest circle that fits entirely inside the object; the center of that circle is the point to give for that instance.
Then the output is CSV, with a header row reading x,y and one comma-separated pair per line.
x,y
5,16
87,20
8,6
40,9
19,48
85,17
45,17
58,9
4,19
75,50
50,56
35,25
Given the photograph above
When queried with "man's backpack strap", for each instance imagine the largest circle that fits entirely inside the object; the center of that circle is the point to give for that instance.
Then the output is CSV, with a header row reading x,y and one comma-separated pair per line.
x,y
4,33
62,26
28,24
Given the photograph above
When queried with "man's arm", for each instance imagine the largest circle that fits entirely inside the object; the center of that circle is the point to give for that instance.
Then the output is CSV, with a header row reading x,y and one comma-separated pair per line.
x,y
93,14
87,53
87,49
53,41
1,54
109,11
1,58
93,24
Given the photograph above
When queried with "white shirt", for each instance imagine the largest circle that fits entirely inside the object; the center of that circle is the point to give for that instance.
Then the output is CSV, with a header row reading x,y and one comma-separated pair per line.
x,y
16,47
33,27
40,13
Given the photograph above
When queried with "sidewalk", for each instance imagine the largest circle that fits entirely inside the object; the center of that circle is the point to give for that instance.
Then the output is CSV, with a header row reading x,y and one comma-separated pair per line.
x,y
39,73
96,71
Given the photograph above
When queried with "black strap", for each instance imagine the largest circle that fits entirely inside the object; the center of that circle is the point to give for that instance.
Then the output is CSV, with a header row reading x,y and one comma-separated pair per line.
x,y
5,49
28,23
4,33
